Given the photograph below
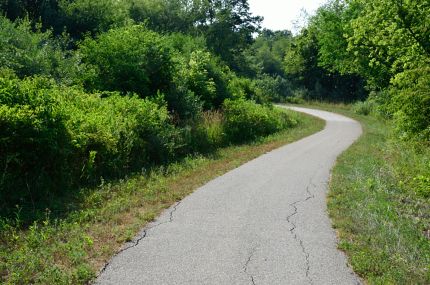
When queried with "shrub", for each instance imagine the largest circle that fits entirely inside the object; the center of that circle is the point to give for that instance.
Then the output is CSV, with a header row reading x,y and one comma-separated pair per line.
x,y
57,137
242,87
364,108
207,134
273,89
34,53
381,102
410,103
246,120
206,77
196,76
116,134
128,59
34,145
88,16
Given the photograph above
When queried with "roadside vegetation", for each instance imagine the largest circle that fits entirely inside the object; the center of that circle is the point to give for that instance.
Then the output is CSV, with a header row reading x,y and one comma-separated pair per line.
x,y
108,108
379,202
110,111
380,189
70,247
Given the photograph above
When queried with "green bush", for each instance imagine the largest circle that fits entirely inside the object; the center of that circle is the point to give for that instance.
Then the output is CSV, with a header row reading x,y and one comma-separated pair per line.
x,y
207,134
262,90
273,89
128,59
364,108
116,134
34,144
410,103
242,87
246,120
56,137
205,77
88,16
34,53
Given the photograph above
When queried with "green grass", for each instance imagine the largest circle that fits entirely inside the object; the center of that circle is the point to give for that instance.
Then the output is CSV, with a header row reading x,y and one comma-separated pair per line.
x,y
379,203
73,248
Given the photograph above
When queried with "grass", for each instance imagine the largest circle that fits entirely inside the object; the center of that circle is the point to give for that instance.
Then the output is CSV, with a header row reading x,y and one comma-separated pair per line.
x,y
73,248
379,203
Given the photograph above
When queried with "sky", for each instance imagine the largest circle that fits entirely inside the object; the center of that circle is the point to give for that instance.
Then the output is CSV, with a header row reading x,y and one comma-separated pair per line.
x,y
281,14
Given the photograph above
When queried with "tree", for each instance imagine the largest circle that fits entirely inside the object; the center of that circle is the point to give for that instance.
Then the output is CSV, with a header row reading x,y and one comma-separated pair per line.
x,y
46,11
94,17
393,34
165,15
267,53
229,27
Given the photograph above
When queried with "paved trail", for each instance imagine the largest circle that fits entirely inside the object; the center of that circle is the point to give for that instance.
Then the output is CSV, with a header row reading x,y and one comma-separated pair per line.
x,y
262,223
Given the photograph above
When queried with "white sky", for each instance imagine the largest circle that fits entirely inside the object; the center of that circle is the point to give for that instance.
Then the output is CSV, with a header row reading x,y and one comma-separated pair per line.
x,y
281,14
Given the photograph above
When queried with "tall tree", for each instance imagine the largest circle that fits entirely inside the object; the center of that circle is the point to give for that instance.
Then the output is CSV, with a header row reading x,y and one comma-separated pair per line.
x,y
229,27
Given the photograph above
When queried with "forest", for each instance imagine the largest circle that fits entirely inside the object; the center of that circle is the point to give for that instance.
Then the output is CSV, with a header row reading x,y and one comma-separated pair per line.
x,y
94,91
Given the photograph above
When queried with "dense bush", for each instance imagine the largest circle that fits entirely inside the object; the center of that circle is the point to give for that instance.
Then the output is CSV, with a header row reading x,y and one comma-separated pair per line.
x,y
274,89
364,108
84,93
128,59
34,53
56,137
410,103
88,16
242,87
34,144
246,120
53,137
205,77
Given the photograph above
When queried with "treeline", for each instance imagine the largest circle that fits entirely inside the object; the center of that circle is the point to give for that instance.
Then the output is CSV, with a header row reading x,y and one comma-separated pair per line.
x,y
102,88
380,48
92,89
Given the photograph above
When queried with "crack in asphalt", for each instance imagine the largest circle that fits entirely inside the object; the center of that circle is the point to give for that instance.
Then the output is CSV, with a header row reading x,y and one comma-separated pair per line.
x,y
294,227
144,234
245,267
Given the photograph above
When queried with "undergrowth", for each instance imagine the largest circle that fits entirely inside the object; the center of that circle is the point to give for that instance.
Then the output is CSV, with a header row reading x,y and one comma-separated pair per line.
x,y
72,247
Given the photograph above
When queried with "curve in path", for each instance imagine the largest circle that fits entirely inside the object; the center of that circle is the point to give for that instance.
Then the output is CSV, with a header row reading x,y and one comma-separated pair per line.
x,y
262,223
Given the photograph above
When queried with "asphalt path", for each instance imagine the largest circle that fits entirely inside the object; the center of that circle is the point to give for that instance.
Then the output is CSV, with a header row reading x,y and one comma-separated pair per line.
x,y
265,222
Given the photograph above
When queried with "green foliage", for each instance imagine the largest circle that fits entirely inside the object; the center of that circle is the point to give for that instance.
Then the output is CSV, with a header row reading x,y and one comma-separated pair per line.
x,y
304,69
203,75
242,87
165,15
128,59
276,89
262,90
267,53
228,26
410,103
34,53
246,120
45,11
94,17
79,136
393,35
364,108
32,128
